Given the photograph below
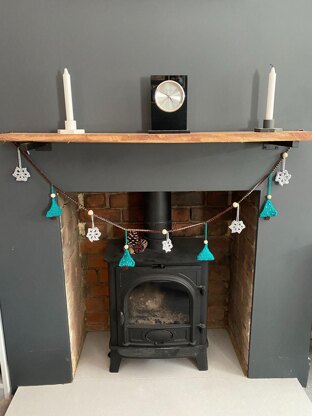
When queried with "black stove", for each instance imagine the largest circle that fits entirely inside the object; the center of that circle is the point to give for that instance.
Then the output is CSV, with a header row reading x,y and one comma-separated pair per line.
x,y
158,309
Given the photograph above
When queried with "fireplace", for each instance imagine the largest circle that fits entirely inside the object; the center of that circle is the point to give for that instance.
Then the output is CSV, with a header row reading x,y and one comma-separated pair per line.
x,y
221,290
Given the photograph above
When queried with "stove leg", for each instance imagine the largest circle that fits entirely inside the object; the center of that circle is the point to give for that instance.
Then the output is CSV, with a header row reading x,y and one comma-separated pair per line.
x,y
201,360
115,360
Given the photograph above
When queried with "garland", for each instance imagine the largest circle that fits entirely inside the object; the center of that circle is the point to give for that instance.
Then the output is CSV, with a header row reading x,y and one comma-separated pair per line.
x,y
268,211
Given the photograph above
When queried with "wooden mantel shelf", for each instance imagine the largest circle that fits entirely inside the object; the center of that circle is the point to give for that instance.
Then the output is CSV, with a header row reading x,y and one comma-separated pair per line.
x,y
198,137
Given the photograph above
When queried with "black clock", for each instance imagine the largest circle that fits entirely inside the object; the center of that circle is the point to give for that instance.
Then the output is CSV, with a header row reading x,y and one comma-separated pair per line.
x,y
169,103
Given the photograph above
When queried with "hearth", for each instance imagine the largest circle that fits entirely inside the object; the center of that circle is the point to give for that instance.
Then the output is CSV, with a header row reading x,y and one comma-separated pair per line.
x,y
159,308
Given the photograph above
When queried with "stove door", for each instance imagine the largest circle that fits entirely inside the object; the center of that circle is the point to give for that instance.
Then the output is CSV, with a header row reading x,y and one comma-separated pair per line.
x,y
161,307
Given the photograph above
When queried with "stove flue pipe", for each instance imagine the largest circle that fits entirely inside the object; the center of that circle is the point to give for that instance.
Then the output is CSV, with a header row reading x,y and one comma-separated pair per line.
x,y
157,216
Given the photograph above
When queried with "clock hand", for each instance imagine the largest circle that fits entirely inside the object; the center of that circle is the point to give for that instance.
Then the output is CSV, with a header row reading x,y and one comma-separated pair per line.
x,y
164,94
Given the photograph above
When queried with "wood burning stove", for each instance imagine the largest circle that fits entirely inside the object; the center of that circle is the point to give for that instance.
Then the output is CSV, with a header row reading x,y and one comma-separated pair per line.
x,y
158,309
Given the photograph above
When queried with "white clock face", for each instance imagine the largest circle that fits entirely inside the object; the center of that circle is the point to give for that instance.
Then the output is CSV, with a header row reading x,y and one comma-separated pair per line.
x,y
169,96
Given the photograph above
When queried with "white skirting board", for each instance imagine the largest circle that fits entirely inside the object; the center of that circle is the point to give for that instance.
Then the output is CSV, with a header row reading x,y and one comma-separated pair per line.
x,y
5,383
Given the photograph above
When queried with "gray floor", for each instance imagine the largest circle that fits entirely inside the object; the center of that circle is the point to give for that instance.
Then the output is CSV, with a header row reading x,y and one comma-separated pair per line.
x,y
162,388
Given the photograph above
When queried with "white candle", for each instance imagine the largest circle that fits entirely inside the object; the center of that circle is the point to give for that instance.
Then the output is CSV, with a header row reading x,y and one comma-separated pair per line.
x,y
271,95
68,96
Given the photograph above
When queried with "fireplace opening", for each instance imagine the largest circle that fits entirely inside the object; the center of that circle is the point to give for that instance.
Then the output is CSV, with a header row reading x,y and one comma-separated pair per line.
x,y
160,303
154,303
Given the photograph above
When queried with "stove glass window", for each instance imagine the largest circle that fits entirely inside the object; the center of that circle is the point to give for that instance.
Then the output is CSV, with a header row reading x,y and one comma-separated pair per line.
x,y
155,303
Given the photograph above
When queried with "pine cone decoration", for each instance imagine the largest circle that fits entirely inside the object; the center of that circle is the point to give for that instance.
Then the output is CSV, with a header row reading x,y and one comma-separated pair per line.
x,y
133,238
136,244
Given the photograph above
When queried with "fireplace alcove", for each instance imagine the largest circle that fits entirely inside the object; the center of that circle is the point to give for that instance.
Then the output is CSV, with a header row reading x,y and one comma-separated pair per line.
x,y
230,288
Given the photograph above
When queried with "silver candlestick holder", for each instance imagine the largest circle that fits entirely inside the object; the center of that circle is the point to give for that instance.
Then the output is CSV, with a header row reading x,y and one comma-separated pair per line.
x,y
268,127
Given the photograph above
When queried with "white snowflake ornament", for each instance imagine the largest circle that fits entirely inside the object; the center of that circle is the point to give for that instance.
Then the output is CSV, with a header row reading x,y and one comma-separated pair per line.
x,y
167,244
20,174
237,225
283,176
93,233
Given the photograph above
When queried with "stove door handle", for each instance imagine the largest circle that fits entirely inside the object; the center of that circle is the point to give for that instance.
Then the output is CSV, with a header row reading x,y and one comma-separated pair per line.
x,y
201,327
122,318
202,289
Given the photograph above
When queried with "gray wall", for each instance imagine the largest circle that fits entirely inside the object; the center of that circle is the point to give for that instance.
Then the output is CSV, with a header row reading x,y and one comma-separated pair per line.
x,y
111,48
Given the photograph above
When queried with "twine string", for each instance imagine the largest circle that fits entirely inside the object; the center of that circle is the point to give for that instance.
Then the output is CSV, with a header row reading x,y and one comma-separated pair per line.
x,y
19,158
237,213
270,184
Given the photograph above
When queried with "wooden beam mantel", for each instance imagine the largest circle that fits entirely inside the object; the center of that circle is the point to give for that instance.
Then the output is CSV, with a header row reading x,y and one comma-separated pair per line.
x,y
146,138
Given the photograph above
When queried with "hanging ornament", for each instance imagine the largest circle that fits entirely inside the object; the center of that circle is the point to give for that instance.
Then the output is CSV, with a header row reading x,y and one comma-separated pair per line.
x,y
205,254
55,210
93,233
126,260
283,176
20,174
269,209
237,226
136,244
167,244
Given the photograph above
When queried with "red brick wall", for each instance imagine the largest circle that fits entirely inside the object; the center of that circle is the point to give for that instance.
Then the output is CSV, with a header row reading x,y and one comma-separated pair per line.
x,y
243,248
122,208
193,207
73,279
127,209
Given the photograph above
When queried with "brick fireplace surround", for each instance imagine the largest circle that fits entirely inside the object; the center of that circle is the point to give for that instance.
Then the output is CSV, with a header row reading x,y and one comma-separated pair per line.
x,y
231,275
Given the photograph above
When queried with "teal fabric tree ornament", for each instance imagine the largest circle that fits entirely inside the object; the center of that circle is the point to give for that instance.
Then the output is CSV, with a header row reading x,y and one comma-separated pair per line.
x,y
269,210
54,210
126,260
205,254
